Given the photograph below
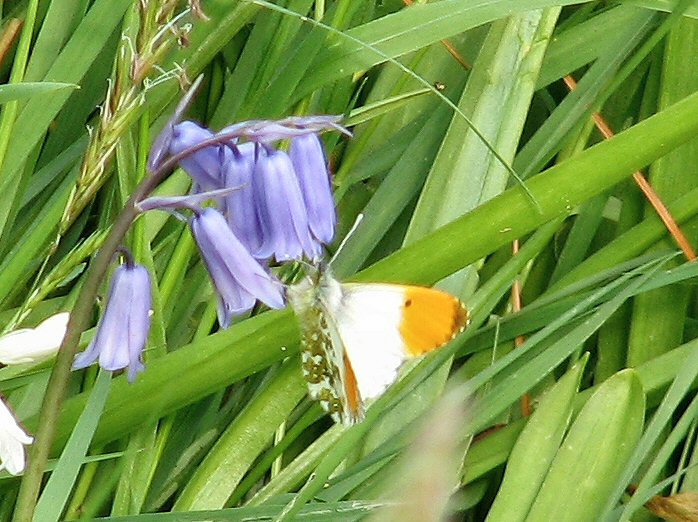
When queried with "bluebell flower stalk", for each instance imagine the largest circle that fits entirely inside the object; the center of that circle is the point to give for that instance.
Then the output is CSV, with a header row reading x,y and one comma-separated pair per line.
x,y
239,279
281,209
122,331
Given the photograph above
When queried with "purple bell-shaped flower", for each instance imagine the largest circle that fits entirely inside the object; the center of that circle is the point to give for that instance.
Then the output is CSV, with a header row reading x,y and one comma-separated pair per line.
x,y
239,279
123,329
241,203
309,163
204,166
281,209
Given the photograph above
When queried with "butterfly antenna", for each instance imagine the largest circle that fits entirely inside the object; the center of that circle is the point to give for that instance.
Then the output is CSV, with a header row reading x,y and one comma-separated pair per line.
x,y
353,228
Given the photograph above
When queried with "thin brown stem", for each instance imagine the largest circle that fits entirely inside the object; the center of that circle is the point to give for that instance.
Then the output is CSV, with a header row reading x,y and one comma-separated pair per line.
x,y
60,375
516,304
9,37
448,45
645,187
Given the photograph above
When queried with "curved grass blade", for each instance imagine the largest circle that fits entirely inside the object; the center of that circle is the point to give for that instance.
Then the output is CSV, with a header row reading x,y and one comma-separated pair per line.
x,y
21,91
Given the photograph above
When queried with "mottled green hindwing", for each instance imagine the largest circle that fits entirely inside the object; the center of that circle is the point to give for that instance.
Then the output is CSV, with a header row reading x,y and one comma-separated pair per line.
x,y
322,352
320,363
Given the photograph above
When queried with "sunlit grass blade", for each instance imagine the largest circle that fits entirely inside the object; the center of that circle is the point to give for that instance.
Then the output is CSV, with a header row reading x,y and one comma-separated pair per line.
x,y
57,491
237,448
598,445
535,449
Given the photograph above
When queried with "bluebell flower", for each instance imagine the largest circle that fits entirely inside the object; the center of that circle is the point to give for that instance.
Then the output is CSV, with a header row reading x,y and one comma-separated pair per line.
x,y
239,279
161,146
123,329
241,203
204,166
281,209
308,161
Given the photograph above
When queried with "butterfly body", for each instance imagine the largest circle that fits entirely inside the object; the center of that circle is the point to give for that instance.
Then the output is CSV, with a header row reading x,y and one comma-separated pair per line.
x,y
355,336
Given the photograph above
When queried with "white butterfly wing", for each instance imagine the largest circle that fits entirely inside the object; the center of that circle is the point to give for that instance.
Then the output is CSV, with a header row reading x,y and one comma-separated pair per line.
x,y
368,319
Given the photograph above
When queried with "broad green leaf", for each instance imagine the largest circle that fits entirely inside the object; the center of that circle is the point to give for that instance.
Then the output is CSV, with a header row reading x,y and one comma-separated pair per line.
x,y
591,459
243,441
496,98
658,316
535,449
20,91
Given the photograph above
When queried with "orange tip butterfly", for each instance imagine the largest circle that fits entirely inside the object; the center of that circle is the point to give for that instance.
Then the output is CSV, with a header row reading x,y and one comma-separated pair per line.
x,y
355,336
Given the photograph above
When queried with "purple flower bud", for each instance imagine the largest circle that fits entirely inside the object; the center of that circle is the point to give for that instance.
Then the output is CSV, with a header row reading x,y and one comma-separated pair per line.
x,y
241,204
309,163
282,212
123,329
238,277
204,166
161,146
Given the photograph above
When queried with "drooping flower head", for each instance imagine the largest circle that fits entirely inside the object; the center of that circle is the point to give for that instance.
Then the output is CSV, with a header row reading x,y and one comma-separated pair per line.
x,y
122,331
242,202
204,166
281,209
238,278
29,345
308,161
12,441
279,206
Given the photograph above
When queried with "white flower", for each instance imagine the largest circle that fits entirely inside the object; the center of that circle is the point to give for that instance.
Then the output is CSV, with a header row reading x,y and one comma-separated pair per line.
x,y
34,344
12,438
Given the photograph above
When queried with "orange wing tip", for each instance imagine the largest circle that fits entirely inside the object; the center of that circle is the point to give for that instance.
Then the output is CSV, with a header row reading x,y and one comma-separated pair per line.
x,y
430,319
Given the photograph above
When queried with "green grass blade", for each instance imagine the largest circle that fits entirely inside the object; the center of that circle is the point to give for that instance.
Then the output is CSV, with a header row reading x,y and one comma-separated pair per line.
x,y
535,449
591,459
21,91
54,497
236,450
